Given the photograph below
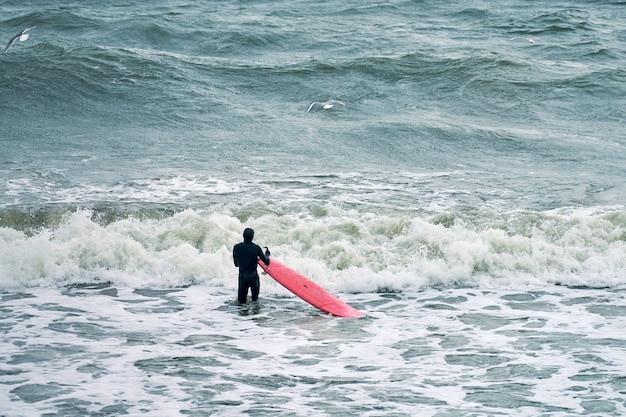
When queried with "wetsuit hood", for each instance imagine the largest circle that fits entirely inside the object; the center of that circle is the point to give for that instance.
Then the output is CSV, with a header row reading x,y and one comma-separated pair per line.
x,y
248,235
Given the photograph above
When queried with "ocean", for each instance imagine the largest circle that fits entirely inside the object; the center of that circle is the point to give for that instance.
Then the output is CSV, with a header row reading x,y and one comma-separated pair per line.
x,y
465,192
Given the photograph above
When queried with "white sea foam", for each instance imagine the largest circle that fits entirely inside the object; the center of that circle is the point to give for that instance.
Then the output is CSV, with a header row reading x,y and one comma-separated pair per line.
x,y
346,250
108,350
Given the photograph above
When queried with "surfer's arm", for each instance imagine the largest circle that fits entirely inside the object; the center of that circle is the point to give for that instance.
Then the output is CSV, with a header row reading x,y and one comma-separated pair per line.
x,y
263,257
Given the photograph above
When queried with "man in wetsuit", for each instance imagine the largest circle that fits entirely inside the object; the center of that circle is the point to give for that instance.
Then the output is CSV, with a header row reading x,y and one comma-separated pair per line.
x,y
246,255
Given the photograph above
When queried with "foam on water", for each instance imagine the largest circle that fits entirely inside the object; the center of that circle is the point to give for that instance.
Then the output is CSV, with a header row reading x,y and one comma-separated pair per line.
x,y
92,350
346,250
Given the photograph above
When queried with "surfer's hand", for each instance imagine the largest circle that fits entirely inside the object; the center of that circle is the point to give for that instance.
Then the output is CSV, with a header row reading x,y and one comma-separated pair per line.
x,y
267,252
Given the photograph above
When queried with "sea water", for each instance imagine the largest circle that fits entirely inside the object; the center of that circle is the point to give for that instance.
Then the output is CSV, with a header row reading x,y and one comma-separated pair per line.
x,y
468,198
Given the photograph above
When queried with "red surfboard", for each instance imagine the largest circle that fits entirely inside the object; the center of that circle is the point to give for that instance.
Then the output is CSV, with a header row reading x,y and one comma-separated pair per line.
x,y
308,290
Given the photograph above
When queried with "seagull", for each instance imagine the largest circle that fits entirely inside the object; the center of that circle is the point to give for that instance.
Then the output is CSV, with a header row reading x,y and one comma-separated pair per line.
x,y
21,36
325,105
529,40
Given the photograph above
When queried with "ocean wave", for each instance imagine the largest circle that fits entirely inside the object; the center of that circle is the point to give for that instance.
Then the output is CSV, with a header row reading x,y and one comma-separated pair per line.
x,y
345,250
172,68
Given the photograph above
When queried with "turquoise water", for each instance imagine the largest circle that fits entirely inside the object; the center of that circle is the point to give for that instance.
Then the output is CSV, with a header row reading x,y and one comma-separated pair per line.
x,y
479,151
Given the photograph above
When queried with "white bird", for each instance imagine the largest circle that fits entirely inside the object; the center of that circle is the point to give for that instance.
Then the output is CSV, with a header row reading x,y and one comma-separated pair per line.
x,y
529,40
325,105
21,36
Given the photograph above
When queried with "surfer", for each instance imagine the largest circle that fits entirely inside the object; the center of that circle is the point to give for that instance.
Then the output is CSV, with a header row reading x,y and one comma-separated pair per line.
x,y
246,255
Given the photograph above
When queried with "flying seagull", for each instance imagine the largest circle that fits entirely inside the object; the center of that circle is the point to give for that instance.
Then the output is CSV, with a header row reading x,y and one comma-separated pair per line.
x,y
325,105
21,36
529,40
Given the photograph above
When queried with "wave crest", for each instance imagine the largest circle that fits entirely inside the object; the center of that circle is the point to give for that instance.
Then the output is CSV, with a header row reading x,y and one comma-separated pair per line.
x,y
343,249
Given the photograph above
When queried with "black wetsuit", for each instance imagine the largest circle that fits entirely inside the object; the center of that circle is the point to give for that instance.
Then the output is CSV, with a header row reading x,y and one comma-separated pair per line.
x,y
246,255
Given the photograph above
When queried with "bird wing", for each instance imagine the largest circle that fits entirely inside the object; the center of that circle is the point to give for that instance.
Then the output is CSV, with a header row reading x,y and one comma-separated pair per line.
x,y
11,42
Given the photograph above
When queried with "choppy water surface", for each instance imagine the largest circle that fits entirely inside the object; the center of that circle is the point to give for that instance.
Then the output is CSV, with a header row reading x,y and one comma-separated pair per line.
x,y
99,350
